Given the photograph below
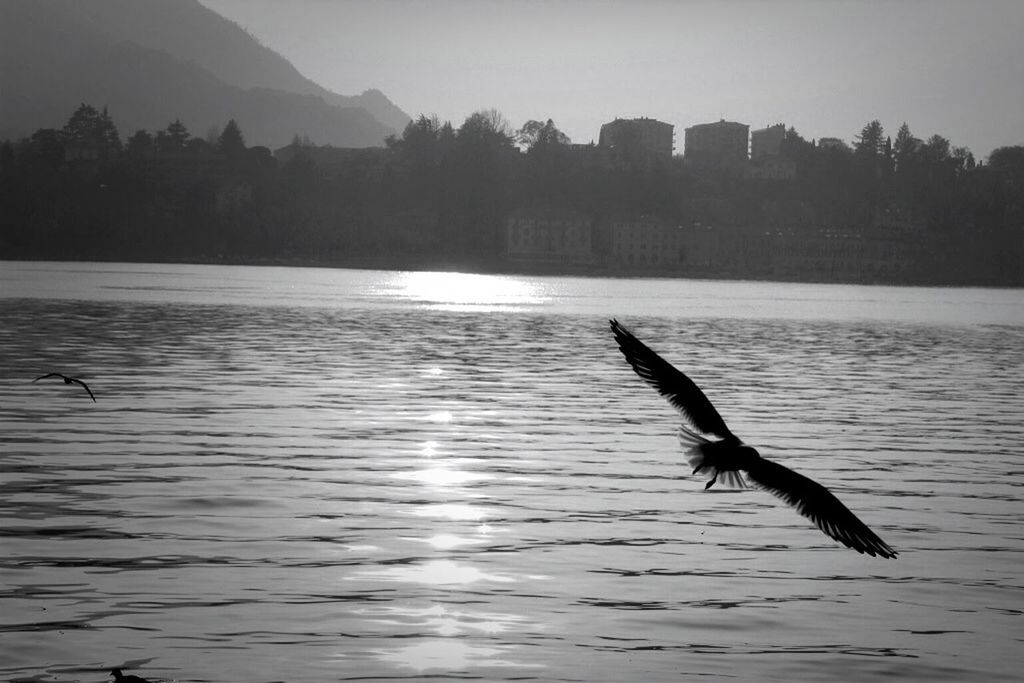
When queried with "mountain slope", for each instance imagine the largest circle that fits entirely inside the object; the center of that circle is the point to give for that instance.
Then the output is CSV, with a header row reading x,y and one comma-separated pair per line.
x,y
151,61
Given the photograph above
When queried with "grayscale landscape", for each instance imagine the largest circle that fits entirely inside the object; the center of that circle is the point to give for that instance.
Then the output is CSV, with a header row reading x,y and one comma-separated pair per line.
x,y
549,341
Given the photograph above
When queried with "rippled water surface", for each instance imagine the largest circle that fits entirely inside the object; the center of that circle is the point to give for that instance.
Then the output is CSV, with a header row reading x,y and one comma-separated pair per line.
x,y
316,475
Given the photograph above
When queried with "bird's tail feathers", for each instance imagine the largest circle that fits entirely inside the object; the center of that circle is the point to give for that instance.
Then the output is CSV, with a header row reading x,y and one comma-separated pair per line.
x,y
693,444
732,479
694,449
689,438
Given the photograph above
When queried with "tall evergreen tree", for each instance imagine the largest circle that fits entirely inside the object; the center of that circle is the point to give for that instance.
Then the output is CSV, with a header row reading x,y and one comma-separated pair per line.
x,y
905,147
174,138
231,143
90,128
871,141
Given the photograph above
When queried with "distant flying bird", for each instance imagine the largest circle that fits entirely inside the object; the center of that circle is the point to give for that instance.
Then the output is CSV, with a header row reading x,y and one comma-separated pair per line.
x,y
121,678
729,458
68,380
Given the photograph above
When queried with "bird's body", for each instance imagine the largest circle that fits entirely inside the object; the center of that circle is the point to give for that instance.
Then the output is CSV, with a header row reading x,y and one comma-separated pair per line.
x,y
715,451
68,380
121,678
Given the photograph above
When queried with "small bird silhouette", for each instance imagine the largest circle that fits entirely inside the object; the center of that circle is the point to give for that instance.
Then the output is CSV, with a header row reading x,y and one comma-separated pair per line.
x,y
68,380
730,459
121,678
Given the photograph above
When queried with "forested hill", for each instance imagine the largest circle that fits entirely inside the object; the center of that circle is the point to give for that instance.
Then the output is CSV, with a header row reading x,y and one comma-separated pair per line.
x,y
144,59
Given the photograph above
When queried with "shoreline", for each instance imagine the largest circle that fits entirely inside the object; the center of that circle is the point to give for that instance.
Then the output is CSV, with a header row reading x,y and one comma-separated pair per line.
x,y
500,267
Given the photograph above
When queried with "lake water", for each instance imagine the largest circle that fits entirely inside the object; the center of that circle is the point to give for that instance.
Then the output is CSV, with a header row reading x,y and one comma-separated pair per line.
x,y
327,475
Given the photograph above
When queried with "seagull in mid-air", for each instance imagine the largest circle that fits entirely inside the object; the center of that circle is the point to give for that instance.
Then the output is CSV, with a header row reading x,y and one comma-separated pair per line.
x,y
711,448
68,380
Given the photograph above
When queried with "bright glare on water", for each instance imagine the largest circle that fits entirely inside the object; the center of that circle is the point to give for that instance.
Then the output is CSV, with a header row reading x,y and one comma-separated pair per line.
x,y
315,475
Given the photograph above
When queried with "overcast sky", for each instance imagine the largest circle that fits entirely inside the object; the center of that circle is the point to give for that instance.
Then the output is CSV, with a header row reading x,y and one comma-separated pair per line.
x,y
826,67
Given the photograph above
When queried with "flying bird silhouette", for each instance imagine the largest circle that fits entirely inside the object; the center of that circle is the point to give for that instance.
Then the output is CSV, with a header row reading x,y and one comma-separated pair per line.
x,y
711,448
121,678
68,380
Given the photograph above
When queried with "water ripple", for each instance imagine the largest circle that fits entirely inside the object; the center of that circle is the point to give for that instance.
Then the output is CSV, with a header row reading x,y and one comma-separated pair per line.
x,y
325,486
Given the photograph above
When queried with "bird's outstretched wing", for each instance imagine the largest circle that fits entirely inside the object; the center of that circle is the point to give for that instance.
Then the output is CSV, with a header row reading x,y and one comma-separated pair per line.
x,y
51,374
84,386
679,389
816,503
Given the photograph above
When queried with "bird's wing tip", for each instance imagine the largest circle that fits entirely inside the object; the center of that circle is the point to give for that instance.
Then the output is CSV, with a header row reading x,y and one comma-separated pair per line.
x,y
875,547
618,329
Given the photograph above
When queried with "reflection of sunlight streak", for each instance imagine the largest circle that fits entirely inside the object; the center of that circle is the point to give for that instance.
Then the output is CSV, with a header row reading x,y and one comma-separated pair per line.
x,y
446,541
362,548
442,417
433,573
440,476
434,371
450,655
429,448
443,620
465,289
457,512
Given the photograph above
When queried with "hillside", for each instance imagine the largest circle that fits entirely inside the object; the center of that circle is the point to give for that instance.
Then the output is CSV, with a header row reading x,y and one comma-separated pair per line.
x,y
150,61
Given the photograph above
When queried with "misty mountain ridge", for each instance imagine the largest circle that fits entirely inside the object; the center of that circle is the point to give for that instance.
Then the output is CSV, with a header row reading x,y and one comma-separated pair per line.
x,y
152,61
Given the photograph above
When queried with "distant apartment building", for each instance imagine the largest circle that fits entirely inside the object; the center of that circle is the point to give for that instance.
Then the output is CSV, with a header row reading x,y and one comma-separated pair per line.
x,y
723,144
547,237
793,254
644,242
649,136
845,256
767,142
766,159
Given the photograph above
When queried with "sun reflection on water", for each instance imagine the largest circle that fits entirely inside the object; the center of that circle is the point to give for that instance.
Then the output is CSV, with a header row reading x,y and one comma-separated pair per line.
x,y
447,541
444,620
440,417
431,573
442,476
456,512
466,291
449,655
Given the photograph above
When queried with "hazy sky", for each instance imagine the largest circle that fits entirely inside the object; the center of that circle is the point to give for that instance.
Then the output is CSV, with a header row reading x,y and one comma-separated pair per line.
x,y
826,67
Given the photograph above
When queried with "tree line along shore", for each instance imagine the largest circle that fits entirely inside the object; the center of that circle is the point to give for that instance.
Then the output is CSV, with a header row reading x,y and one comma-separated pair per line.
x,y
487,196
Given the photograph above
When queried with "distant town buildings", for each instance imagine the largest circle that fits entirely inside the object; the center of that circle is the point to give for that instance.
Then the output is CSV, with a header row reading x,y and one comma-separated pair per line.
x,y
767,142
645,242
723,144
790,244
643,135
549,238
648,244
766,159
